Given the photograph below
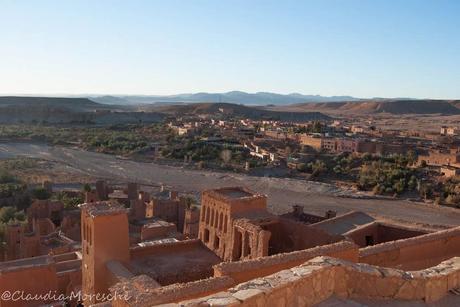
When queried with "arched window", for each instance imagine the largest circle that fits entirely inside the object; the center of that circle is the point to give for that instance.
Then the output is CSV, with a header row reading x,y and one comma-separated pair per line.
x,y
212,217
207,215
216,218
221,221
203,213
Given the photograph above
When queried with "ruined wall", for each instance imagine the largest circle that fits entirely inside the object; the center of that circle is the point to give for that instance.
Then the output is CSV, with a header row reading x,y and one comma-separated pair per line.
x,y
71,226
245,270
132,191
165,209
414,253
30,245
249,240
44,226
138,209
13,236
102,191
191,222
288,236
323,277
389,233
381,233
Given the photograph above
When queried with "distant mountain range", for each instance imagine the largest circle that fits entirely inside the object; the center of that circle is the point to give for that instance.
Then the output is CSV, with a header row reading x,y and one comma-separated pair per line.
x,y
14,109
260,98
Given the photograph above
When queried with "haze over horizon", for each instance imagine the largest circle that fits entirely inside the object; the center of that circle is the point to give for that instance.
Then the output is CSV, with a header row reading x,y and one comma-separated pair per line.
x,y
385,49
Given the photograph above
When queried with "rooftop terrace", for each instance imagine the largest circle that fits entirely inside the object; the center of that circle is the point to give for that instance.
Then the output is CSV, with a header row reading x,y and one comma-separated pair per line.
x,y
20,264
170,262
104,208
233,193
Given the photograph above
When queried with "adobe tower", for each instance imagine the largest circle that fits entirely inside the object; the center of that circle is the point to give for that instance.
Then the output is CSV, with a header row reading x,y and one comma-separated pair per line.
x,y
104,232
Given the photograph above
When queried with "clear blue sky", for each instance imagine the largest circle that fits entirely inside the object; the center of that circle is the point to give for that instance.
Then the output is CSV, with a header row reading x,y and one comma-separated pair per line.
x,y
407,48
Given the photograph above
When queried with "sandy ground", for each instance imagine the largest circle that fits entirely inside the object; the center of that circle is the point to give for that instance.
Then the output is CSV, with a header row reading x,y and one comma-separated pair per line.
x,y
282,193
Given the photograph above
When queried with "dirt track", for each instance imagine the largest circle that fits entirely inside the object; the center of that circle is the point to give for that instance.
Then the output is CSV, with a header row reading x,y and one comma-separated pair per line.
x,y
282,193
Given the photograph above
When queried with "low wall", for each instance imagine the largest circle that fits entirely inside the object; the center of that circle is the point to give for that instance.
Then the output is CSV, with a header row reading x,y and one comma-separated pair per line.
x,y
245,270
381,233
68,265
322,277
414,253
34,276
65,257
288,236
140,294
164,248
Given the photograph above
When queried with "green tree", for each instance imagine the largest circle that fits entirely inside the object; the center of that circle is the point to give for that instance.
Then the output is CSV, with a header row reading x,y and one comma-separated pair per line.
x,y
41,193
86,187
318,167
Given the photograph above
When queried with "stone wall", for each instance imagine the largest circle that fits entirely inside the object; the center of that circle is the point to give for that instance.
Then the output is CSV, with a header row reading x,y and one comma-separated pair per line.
x,y
245,270
165,248
322,277
191,222
288,236
381,233
142,292
152,232
414,253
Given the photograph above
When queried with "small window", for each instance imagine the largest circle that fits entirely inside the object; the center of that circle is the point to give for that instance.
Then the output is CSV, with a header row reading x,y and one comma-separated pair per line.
x,y
206,236
369,240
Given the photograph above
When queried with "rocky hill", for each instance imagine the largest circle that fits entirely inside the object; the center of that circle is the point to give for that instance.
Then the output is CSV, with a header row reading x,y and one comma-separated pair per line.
x,y
386,106
68,110
236,110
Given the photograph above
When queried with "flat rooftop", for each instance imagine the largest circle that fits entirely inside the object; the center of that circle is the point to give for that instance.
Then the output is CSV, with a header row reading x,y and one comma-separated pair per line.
x,y
152,222
344,223
118,194
180,266
104,208
26,263
156,242
233,193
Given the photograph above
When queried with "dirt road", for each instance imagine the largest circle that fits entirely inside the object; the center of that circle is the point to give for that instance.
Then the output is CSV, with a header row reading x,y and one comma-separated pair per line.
x,y
282,193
